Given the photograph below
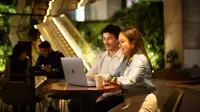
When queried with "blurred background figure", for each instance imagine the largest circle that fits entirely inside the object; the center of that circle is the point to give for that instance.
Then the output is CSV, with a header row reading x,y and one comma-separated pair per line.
x,y
17,66
49,62
17,63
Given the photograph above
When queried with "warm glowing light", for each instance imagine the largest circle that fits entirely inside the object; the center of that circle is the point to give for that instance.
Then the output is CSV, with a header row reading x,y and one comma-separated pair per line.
x,y
41,38
80,14
82,3
48,10
45,19
66,35
35,26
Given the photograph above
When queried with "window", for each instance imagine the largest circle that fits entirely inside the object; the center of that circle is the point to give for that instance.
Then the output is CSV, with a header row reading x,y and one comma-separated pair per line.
x,y
80,14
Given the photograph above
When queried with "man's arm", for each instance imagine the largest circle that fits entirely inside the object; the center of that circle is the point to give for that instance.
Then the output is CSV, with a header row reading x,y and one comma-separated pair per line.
x,y
38,64
58,67
94,69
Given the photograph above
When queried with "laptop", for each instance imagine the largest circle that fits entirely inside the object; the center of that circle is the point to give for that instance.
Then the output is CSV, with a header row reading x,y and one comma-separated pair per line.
x,y
74,72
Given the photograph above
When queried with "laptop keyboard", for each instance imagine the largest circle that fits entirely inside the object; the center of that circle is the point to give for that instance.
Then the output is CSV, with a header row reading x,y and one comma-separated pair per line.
x,y
91,83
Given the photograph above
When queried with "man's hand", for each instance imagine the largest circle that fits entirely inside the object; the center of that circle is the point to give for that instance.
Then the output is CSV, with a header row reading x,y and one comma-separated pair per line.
x,y
47,68
56,70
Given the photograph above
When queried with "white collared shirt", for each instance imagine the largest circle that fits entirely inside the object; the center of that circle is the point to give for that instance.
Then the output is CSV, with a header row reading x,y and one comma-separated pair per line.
x,y
105,63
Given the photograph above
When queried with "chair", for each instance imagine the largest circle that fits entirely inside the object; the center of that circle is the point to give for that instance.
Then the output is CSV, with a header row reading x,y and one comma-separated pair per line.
x,y
60,97
1,108
173,102
135,103
18,93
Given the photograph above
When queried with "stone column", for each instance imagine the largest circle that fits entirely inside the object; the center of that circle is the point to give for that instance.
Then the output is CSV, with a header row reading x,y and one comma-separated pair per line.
x,y
191,32
15,22
173,28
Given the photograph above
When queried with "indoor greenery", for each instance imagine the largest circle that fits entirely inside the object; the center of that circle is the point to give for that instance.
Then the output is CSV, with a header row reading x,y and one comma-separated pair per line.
x,y
146,16
5,46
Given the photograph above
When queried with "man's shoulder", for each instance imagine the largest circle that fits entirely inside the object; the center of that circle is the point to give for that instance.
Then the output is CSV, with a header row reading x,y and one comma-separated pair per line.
x,y
102,54
58,53
40,56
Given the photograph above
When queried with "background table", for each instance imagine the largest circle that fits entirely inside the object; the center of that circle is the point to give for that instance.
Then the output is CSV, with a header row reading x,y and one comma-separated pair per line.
x,y
195,85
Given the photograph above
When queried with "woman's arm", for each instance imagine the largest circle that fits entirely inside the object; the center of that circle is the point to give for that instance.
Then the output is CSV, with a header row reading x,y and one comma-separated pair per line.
x,y
27,78
133,74
28,65
115,73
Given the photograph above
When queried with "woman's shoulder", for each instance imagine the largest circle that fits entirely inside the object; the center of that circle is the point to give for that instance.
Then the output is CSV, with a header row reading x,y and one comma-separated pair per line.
x,y
140,58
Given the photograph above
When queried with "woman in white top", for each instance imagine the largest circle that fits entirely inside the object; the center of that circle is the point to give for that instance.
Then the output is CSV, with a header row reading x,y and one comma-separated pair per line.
x,y
133,75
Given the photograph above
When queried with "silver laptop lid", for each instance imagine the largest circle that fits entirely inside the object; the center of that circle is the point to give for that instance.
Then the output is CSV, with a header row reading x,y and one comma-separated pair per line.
x,y
74,71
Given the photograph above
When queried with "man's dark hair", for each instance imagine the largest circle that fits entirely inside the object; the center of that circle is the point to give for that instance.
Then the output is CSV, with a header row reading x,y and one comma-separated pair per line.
x,y
45,44
113,29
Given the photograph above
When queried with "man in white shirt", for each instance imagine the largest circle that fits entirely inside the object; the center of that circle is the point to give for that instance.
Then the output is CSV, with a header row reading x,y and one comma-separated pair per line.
x,y
105,63
109,60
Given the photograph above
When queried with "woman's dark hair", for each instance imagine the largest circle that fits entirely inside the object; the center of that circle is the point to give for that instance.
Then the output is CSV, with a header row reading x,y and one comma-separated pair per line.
x,y
113,29
18,50
17,65
134,35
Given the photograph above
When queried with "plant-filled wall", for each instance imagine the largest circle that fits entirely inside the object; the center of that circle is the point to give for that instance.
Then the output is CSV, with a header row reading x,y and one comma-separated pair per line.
x,y
146,16
5,46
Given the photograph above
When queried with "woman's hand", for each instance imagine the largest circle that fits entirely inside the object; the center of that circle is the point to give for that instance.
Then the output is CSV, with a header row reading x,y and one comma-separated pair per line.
x,y
90,77
114,80
100,98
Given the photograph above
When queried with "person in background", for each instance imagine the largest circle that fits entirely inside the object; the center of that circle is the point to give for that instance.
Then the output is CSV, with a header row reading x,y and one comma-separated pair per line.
x,y
105,62
17,63
133,75
49,62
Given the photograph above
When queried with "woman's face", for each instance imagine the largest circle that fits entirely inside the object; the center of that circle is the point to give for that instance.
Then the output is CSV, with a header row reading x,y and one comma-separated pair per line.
x,y
23,56
125,46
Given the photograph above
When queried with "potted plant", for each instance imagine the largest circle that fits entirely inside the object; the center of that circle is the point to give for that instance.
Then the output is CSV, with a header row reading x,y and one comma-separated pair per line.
x,y
172,59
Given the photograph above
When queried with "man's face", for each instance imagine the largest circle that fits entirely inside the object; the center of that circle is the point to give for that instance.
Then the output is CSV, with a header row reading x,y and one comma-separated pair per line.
x,y
110,42
44,51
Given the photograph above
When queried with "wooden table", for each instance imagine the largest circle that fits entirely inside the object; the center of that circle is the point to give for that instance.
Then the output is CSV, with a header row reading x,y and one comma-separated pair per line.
x,y
38,73
71,91
62,88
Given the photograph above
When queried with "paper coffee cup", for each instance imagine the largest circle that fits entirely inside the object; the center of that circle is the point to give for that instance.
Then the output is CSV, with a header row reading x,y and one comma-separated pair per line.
x,y
99,81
